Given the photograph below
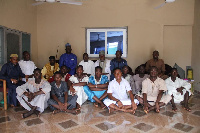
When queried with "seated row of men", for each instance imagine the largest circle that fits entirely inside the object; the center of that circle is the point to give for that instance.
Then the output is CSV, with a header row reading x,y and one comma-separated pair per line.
x,y
35,93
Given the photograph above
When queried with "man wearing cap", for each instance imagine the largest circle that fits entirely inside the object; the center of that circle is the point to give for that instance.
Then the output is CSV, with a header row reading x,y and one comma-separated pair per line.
x,y
68,59
26,65
104,64
12,73
50,68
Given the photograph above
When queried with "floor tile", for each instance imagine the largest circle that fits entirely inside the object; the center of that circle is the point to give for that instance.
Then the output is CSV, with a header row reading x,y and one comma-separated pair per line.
x,y
106,113
183,127
105,126
33,122
143,127
18,109
139,113
4,119
169,113
197,113
68,124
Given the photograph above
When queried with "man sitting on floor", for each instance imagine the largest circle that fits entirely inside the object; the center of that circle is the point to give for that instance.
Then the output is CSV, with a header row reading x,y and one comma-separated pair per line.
x,y
12,73
50,68
179,89
26,65
136,80
33,95
64,73
152,92
60,100
117,94
97,87
88,65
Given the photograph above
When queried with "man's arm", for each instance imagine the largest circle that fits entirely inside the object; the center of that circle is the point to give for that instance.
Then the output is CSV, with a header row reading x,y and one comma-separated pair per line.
x,y
134,106
74,63
61,61
80,84
115,99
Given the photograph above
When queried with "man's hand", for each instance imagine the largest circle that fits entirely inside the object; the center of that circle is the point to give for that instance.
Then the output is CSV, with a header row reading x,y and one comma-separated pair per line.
x,y
65,106
120,105
180,90
61,107
90,85
30,96
14,81
73,91
157,107
146,107
134,107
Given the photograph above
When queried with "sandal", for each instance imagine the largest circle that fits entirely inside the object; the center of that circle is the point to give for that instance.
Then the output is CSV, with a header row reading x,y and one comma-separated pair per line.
x,y
187,109
174,109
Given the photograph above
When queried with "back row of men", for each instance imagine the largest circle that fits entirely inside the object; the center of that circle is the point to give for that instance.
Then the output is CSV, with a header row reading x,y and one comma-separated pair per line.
x,y
141,88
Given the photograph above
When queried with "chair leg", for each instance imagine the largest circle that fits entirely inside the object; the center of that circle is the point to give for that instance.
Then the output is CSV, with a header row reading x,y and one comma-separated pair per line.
x,y
5,95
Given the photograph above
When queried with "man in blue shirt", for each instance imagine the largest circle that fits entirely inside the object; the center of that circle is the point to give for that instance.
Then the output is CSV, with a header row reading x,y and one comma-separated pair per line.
x,y
68,59
117,62
12,73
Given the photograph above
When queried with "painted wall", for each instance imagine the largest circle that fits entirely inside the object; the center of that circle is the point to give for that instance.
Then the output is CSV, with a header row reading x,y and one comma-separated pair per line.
x,y
196,46
20,15
58,24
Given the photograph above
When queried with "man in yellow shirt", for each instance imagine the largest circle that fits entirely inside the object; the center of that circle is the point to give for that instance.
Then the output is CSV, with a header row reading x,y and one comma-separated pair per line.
x,y
50,68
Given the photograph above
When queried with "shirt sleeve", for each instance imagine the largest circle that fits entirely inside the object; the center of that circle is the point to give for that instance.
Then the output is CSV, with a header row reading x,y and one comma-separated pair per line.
x,y
85,79
21,89
162,85
3,73
127,85
144,86
47,87
44,71
65,87
53,89
185,84
110,88
71,78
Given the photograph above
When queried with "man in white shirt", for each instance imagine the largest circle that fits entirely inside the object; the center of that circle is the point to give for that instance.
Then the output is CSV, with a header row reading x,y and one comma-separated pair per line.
x,y
179,89
26,65
88,65
104,64
117,94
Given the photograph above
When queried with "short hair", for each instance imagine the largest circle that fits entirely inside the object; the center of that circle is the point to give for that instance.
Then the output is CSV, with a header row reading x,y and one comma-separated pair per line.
x,y
173,69
154,67
25,52
37,69
85,54
52,58
156,51
57,72
119,51
79,66
98,67
117,68
64,66
125,66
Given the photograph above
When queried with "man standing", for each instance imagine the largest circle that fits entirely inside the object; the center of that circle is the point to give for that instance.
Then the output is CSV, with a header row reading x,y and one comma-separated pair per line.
x,y
104,64
68,59
159,63
26,65
12,73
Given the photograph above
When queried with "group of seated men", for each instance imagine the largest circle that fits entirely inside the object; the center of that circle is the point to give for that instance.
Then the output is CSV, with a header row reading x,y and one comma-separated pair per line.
x,y
64,87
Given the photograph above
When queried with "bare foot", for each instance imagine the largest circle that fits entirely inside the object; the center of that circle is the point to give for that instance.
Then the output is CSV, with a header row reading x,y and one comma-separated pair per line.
x,y
55,111
174,108
186,108
110,110
96,105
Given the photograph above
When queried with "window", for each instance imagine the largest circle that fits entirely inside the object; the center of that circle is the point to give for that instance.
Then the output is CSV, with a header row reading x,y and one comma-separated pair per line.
x,y
108,39
12,42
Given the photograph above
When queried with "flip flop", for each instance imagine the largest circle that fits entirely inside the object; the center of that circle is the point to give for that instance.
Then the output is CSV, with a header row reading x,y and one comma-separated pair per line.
x,y
187,109
174,109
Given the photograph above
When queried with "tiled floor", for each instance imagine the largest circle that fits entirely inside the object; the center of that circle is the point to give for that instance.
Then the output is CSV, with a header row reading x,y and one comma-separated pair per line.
x,y
94,120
